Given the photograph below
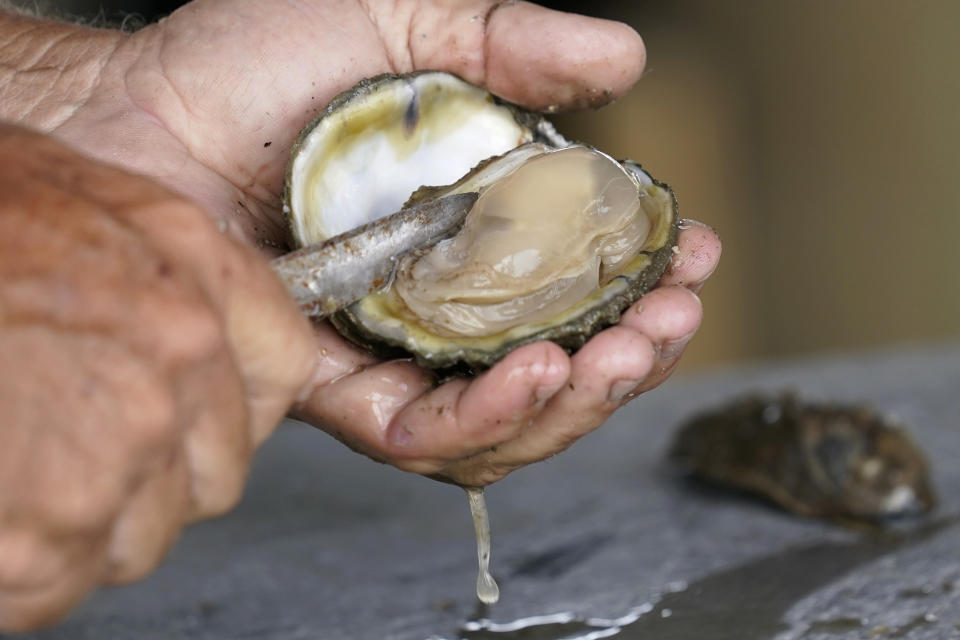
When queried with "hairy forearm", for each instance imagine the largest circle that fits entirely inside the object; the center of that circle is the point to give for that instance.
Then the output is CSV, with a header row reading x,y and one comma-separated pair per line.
x,y
48,69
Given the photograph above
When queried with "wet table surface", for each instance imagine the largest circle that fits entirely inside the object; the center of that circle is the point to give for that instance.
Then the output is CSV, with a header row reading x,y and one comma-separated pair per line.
x,y
601,541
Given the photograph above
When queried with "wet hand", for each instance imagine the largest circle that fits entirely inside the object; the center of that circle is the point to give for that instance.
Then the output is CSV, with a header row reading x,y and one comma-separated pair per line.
x,y
219,132
533,404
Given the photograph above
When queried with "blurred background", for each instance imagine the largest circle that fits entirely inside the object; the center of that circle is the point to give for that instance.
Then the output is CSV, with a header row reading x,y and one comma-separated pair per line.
x,y
820,138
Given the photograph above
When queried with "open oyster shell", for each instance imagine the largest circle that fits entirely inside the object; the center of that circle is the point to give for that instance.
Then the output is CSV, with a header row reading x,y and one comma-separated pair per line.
x,y
380,141
562,239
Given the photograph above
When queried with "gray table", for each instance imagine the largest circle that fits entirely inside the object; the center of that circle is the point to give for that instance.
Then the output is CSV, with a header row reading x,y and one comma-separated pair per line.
x,y
602,541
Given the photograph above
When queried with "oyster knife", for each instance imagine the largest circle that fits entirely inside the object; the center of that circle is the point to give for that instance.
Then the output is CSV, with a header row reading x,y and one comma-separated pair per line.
x,y
326,277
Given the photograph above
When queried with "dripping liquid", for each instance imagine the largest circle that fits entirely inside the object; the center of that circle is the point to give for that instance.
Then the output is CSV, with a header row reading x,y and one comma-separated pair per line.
x,y
487,589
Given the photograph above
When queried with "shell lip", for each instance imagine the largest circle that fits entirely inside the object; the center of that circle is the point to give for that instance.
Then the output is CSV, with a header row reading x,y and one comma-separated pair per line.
x,y
469,357
466,358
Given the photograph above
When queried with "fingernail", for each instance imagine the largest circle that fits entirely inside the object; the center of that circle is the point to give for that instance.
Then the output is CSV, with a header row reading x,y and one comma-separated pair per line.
x,y
621,389
673,348
544,393
686,223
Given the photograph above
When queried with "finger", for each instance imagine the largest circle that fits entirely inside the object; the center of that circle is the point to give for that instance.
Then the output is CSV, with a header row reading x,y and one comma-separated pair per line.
x,y
357,408
390,413
698,252
600,370
38,601
537,57
543,58
337,357
32,558
217,443
148,524
669,317
463,417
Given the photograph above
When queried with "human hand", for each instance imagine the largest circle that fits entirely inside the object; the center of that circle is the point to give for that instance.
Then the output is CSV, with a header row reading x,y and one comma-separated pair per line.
x,y
143,356
163,382
214,97
195,101
210,100
534,403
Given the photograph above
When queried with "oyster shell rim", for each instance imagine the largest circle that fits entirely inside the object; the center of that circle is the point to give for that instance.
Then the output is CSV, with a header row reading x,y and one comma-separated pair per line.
x,y
541,129
570,335
465,360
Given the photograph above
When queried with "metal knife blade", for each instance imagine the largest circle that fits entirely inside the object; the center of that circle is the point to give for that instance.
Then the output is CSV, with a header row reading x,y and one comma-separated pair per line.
x,y
329,276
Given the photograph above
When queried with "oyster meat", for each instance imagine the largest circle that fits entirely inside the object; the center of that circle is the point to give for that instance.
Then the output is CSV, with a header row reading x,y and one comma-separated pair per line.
x,y
560,241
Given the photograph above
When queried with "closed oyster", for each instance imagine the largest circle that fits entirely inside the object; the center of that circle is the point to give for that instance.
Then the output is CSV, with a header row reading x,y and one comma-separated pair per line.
x,y
820,460
560,241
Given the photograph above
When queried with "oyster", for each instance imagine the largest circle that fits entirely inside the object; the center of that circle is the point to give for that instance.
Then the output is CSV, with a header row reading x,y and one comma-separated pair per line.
x,y
819,460
560,241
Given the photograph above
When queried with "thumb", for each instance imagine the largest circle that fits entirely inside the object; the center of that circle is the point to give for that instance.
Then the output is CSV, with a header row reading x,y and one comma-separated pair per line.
x,y
537,57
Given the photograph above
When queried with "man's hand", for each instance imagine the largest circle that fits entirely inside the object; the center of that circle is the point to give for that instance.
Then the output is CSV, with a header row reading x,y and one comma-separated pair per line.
x,y
174,351
219,131
534,403
143,356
